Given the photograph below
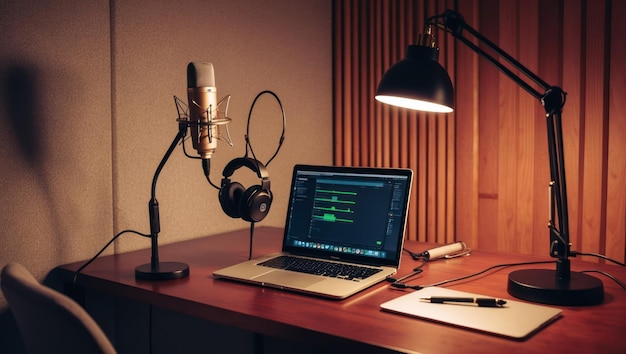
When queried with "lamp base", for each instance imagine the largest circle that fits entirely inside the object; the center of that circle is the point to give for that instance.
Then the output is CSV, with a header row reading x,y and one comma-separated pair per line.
x,y
163,271
542,285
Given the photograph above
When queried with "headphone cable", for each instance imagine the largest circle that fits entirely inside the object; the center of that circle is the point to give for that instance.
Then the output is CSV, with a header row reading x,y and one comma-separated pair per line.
x,y
282,135
206,167
251,237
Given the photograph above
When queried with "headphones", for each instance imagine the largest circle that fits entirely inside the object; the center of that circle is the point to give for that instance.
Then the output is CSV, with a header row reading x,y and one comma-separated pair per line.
x,y
252,204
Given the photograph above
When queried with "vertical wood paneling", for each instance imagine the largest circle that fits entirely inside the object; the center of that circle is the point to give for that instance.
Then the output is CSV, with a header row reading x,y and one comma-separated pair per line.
x,y
508,159
466,137
616,187
527,142
369,38
573,84
488,146
594,115
549,29
481,173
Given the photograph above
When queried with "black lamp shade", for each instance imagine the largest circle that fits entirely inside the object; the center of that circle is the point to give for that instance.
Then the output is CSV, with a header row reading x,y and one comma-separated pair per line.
x,y
417,82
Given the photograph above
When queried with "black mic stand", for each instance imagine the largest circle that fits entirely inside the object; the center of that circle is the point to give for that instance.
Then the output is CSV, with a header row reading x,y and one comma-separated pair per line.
x,y
156,270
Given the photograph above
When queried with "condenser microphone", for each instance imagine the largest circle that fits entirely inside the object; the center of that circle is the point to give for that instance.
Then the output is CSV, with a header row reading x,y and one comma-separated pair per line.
x,y
203,107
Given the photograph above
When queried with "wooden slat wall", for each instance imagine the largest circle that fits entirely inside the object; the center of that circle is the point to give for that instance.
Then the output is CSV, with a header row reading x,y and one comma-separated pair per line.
x,y
482,172
369,37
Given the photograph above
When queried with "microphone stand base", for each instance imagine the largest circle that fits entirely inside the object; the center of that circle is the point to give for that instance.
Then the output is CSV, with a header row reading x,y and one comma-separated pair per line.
x,y
542,286
163,271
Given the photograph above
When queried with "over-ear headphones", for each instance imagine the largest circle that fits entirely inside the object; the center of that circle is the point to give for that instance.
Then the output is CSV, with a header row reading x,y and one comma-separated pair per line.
x,y
250,204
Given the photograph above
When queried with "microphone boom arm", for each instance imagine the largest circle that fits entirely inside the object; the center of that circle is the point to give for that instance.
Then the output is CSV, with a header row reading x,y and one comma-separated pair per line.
x,y
156,270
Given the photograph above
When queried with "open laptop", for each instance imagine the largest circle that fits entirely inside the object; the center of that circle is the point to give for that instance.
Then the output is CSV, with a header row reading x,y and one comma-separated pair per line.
x,y
352,216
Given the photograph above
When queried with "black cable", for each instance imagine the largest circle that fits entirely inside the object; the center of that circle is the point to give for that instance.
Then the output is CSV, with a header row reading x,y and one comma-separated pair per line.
x,y
282,135
206,167
102,250
622,285
417,270
606,275
182,142
415,256
96,256
251,236
575,253
419,287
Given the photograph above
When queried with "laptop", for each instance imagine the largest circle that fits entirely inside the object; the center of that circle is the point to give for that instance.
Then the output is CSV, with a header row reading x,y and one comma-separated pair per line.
x,y
344,232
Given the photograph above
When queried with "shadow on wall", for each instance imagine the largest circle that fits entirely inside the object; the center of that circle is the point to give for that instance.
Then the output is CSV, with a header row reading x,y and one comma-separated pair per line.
x,y
24,113
22,96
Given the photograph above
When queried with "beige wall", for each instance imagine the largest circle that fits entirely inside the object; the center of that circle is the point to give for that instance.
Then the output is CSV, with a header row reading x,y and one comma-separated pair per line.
x,y
86,114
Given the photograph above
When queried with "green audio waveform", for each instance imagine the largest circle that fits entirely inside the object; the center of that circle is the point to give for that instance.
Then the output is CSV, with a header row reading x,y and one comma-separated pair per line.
x,y
335,192
335,209
331,218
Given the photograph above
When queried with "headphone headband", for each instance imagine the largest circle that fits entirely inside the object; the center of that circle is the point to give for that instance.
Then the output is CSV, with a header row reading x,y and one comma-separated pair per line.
x,y
250,204
254,165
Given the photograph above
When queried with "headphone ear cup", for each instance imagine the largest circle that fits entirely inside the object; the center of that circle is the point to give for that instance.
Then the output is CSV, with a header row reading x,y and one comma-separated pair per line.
x,y
230,197
255,203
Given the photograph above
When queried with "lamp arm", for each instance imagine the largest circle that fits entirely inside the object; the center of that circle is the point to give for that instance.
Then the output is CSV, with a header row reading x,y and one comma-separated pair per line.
x,y
452,22
553,100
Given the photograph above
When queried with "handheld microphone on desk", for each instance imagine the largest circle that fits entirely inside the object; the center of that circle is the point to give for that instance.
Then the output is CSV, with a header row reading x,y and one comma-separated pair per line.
x,y
452,250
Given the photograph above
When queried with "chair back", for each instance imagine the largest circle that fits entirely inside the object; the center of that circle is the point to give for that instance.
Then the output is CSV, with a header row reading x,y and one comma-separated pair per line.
x,y
49,321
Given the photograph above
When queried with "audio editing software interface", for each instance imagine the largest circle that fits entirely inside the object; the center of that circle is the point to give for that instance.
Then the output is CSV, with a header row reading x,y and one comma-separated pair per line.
x,y
349,214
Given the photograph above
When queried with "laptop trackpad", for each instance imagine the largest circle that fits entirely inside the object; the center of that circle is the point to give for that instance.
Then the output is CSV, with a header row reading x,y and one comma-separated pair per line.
x,y
288,279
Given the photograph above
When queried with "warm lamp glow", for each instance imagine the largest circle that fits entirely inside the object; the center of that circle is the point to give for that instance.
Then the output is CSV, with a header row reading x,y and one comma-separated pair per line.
x,y
418,82
410,103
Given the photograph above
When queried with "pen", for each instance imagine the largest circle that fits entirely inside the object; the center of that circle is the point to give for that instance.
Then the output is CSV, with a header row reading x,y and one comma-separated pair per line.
x,y
480,301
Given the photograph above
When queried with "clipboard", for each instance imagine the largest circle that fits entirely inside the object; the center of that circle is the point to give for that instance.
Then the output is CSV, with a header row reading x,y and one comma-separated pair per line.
x,y
516,320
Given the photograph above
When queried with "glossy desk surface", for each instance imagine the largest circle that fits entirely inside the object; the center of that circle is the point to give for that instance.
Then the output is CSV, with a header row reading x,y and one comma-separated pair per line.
x,y
356,323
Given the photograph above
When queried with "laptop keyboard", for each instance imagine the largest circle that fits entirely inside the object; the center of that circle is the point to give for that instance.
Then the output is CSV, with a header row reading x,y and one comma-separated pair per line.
x,y
319,267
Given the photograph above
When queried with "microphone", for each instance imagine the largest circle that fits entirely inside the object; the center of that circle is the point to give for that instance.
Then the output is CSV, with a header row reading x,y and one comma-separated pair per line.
x,y
203,107
439,252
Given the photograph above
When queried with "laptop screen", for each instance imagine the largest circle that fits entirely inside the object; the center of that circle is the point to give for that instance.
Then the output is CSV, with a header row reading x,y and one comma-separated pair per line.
x,y
348,213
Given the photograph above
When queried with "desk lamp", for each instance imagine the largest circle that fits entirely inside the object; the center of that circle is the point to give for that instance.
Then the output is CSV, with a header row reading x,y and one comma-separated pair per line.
x,y
418,82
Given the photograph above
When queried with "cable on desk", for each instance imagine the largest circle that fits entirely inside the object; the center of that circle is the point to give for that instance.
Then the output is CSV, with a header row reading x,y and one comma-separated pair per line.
x,y
414,255
400,285
576,253
419,287
417,270
622,285
427,256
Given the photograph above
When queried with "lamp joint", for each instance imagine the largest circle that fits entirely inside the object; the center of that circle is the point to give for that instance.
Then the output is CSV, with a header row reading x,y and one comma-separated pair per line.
x,y
426,38
553,100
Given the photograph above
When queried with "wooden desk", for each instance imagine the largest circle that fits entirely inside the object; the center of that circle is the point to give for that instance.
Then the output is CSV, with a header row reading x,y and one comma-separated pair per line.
x,y
355,324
